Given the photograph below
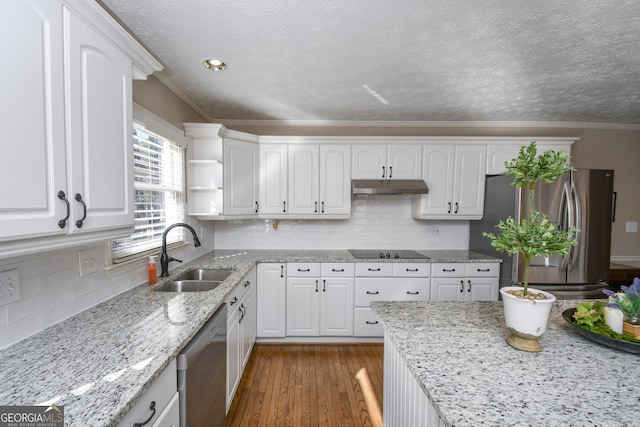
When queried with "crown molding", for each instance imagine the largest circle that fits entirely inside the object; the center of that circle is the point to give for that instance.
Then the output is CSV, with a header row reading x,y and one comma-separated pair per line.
x,y
426,124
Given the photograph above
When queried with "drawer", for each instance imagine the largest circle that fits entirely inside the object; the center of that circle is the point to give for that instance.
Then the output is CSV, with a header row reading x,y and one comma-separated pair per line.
x,y
483,269
448,269
233,300
374,269
365,323
411,269
170,417
303,269
337,269
391,289
162,390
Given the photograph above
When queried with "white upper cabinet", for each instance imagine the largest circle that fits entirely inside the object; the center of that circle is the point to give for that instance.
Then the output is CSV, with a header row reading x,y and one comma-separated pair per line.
x,y
67,108
241,177
335,179
455,177
397,161
274,160
222,172
305,180
99,85
32,154
498,154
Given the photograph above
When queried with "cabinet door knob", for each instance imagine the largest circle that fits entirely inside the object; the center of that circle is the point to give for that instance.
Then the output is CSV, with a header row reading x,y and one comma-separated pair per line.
x,y
63,222
78,198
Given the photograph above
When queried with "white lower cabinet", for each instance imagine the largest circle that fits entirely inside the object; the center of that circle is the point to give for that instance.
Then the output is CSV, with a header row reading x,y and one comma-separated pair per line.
x,y
386,282
170,417
271,300
465,281
241,331
158,406
320,299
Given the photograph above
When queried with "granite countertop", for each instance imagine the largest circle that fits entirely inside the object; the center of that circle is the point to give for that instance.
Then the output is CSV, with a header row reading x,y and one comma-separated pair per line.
x,y
457,353
100,362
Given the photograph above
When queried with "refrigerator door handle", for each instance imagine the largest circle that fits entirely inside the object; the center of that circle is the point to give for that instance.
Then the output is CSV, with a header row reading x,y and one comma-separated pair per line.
x,y
566,211
575,200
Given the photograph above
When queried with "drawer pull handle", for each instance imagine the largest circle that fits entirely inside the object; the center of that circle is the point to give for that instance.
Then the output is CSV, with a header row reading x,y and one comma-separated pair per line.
x,y
282,271
338,270
316,286
324,285
469,282
461,285
247,283
413,293
304,270
234,300
79,222
371,323
284,207
449,270
415,270
485,270
152,408
373,293
373,269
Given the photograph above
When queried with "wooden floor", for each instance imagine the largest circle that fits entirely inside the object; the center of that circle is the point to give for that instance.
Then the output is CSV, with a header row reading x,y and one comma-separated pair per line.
x,y
310,385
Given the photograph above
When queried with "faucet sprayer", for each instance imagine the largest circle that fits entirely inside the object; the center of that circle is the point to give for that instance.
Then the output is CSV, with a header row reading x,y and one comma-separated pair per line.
x,y
165,259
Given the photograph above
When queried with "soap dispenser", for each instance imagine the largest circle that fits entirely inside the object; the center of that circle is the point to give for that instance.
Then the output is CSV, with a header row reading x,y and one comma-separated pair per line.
x,y
152,270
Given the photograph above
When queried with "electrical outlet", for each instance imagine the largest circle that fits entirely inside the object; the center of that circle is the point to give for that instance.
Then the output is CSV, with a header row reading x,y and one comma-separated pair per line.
x,y
9,286
88,262
632,227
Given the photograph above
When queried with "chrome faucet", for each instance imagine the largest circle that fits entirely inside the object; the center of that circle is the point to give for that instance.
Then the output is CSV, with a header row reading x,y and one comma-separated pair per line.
x,y
165,259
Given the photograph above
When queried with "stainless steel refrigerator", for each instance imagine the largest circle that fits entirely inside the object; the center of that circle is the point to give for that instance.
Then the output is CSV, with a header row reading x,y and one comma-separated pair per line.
x,y
581,198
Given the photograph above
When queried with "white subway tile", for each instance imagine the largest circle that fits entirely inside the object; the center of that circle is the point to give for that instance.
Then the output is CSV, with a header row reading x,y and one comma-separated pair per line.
x,y
15,332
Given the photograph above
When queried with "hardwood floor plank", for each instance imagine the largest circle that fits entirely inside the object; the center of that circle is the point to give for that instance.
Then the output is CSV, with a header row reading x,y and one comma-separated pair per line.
x,y
310,385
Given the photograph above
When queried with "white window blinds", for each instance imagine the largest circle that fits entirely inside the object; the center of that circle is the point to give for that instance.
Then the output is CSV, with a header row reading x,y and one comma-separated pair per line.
x,y
158,195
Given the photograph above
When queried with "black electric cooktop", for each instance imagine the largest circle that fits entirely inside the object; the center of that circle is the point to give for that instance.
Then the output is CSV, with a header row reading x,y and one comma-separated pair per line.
x,y
386,254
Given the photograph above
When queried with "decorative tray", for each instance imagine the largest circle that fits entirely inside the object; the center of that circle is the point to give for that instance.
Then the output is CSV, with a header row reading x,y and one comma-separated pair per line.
x,y
628,346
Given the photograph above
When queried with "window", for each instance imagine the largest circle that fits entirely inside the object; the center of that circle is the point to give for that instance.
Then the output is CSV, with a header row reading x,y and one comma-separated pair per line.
x,y
158,194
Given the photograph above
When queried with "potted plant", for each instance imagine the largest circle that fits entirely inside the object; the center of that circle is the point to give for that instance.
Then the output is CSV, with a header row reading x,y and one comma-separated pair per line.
x,y
527,310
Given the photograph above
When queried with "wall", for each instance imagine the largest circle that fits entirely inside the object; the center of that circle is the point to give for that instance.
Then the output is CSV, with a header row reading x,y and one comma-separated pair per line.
x,y
377,222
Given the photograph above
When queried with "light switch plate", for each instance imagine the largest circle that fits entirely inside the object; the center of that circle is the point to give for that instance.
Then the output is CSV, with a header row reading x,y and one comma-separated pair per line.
x,y
88,261
9,286
632,227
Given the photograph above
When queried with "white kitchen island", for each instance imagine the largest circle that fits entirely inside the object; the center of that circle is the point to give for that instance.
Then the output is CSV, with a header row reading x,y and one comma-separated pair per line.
x,y
447,364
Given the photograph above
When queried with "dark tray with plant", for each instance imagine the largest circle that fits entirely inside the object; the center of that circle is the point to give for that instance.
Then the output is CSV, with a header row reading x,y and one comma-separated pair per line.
x,y
587,319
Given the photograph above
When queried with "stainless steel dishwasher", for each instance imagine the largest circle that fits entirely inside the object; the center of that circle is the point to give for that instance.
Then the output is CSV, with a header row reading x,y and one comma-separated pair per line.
x,y
202,373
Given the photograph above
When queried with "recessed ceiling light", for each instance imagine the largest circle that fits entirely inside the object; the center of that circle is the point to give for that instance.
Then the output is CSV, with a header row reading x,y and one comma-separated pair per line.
x,y
215,64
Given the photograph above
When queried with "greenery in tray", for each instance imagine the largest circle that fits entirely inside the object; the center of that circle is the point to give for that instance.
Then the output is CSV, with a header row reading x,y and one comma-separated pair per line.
x,y
590,316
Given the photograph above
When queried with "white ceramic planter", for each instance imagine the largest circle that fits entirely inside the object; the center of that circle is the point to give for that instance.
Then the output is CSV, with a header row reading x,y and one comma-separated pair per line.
x,y
526,319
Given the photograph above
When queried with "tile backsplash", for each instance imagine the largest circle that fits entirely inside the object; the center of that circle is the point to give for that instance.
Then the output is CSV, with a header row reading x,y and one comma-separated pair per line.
x,y
377,222
52,289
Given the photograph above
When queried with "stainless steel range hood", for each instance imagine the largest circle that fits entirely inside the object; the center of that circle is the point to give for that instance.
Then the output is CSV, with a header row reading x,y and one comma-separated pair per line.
x,y
388,186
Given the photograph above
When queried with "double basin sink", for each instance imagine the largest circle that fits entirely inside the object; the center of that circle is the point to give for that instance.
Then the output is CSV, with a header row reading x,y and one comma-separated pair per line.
x,y
196,280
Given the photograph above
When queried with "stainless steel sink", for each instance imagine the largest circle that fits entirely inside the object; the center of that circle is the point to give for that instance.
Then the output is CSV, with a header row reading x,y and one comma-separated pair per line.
x,y
197,280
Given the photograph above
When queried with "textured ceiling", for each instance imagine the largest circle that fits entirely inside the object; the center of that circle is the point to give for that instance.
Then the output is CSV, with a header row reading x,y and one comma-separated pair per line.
x,y
400,60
